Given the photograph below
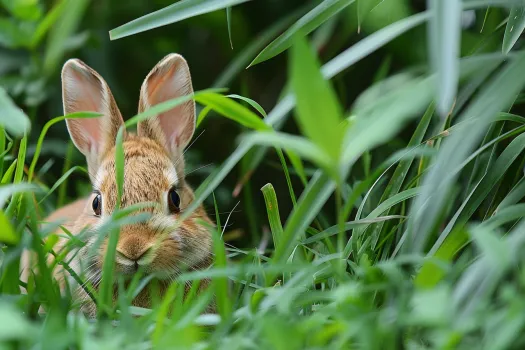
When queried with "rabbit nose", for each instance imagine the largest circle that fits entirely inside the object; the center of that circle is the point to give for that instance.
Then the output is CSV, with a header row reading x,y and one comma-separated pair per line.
x,y
133,255
132,249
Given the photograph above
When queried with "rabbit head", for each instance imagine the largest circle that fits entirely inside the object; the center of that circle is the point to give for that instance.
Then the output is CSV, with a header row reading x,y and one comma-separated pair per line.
x,y
153,172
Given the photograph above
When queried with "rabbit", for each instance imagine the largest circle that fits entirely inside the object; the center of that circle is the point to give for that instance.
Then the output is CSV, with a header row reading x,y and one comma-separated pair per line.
x,y
153,172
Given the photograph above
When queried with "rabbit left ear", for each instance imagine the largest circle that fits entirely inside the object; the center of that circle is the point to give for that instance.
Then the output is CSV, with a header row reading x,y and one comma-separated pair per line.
x,y
169,79
84,90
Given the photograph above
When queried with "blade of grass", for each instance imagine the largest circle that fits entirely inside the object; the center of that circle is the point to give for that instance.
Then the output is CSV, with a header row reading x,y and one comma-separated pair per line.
x,y
171,14
514,28
444,42
272,208
491,100
305,25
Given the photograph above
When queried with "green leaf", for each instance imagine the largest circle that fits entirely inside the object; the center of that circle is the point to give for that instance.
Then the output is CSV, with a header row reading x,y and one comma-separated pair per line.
x,y
64,27
47,22
239,63
224,303
171,14
12,118
272,208
457,147
444,41
26,10
304,26
38,148
62,179
164,107
399,175
229,20
7,233
318,110
301,146
251,102
514,28
232,110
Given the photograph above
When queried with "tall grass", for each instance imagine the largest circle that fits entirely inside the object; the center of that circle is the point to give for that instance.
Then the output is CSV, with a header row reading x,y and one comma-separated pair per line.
x,y
422,251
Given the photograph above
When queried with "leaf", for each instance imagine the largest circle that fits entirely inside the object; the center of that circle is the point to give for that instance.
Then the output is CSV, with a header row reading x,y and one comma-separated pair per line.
x,y
304,26
229,20
47,22
26,10
38,148
64,27
310,203
318,110
239,63
399,175
7,233
12,118
272,208
457,147
514,28
300,145
444,41
251,102
164,107
171,14
232,110
62,179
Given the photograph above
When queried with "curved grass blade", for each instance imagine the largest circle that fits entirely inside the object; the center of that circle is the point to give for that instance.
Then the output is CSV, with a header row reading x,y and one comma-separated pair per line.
x,y
232,110
43,133
514,28
248,53
313,19
444,42
171,14
456,148
229,20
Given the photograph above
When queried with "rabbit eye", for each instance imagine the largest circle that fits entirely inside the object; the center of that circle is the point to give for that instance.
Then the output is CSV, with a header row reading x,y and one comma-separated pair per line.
x,y
173,201
97,205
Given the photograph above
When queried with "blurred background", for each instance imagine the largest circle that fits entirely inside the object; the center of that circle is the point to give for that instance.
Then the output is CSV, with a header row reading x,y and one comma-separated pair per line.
x,y
37,37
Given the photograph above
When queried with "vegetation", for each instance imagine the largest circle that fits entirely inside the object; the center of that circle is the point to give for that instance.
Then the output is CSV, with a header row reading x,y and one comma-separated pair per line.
x,y
365,172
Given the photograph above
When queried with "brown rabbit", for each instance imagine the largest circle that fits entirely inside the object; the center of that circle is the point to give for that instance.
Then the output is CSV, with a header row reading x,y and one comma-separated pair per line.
x,y
153,172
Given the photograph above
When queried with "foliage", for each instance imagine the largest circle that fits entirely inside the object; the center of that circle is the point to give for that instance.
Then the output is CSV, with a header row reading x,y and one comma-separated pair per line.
x,y
390,167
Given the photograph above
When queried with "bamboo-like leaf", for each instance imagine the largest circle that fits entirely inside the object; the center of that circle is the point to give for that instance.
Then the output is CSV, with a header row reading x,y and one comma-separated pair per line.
x,y
514,28
313,19
272,208
315,99
444,41
12,118
171,14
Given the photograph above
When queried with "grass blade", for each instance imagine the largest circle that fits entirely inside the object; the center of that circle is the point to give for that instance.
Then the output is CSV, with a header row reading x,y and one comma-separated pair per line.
x,y
457,147
514,28
444,41
315,98
313,19
272,208
171,14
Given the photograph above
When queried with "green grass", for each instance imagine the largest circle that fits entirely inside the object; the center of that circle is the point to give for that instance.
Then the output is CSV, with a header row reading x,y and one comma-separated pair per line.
x,y
405,229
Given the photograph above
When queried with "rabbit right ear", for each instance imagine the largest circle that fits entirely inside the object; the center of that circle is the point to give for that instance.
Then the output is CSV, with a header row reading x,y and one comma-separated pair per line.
x,y
84,90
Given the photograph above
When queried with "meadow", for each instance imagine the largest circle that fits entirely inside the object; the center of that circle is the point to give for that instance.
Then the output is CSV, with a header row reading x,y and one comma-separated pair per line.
x,y
362,161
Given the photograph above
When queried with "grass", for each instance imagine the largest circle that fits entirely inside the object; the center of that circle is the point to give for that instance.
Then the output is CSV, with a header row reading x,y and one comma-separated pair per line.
x,y
417,246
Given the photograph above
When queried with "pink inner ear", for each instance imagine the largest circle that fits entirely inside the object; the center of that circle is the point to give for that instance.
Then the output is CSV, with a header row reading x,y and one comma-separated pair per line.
x,y
176,124
83,92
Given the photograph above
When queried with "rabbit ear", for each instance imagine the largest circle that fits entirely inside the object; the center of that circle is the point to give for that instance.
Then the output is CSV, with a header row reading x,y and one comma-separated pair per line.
x,y
169,79
84,90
